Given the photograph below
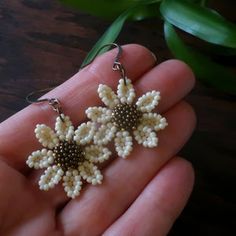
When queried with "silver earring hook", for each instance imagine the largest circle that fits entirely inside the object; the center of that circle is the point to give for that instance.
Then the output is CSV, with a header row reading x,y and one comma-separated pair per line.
x,y
117,65
53,102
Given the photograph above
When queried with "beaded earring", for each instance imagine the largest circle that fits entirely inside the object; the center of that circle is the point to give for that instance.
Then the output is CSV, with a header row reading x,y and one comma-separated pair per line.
x,y
123,117
67,154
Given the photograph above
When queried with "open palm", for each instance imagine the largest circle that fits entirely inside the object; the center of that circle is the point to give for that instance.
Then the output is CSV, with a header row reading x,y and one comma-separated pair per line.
x,y
142,195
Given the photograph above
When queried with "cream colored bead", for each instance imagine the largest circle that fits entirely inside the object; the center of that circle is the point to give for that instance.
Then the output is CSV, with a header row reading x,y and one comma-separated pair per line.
x,y
72,183
64,129
84,133
108,97
163,123
50,178
46,136
40,159
97,177
123,143
148,101
99,114
96,153
90,173
154,121
104,134
146,137
125,93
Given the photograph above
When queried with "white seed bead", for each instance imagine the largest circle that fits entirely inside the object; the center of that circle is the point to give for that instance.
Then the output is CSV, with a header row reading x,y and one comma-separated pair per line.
x,y
123,144
126,92
72,183
163,123
64,129
104,134
46,136
99,114
107,96
99,177
154,121
148,101
84,133
51,177
40,159
97,153
146,137
89,172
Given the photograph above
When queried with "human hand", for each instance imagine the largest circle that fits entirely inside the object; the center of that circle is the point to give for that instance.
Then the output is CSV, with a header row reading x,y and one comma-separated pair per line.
x,y
142,195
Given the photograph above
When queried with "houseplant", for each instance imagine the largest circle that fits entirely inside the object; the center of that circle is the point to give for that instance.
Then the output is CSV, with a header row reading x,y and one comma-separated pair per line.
x,y
193,17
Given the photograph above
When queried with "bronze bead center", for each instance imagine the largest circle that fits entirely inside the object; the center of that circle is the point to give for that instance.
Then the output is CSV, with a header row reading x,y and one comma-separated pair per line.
x,y
68,155
126,117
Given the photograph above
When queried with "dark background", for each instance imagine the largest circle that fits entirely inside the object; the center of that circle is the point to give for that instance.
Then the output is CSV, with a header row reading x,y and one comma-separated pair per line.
x,y
43,43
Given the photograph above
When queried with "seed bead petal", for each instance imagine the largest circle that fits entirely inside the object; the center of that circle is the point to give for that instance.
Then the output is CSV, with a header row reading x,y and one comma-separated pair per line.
x,y
148,101
89,172
64,129
84,133
50,178
46,136
125,92
99,114
145,136
154,121
105,134
40,159
96,153
123,144
107,96
72,183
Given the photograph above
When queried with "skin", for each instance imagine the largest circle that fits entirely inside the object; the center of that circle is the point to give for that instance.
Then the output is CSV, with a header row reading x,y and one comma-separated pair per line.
x,y
142,195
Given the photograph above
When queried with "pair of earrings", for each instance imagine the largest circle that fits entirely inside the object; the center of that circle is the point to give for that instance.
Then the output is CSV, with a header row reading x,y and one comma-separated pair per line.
x,y
72,155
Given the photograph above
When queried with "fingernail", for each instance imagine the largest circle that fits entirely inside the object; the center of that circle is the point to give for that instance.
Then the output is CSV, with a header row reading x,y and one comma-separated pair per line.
x,y
154,56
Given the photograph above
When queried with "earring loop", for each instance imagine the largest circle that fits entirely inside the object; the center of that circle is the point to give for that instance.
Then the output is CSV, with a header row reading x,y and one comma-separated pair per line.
x,y
53,102
117,65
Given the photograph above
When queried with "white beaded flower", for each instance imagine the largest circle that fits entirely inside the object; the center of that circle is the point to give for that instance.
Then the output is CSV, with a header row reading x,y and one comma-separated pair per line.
x,y
67,155
122,116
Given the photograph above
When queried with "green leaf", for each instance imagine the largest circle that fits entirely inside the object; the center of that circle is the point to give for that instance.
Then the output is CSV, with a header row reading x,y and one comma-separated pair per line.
x,y
109,36
108,9
113,31
199,21
206,70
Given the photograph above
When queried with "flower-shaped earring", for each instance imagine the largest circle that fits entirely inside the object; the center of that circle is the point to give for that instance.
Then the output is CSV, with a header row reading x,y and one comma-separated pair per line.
x,y
123,117
67,154
71,155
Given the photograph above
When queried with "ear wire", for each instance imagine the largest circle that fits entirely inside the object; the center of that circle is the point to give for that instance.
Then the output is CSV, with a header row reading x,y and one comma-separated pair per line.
x,y
53,102
117,65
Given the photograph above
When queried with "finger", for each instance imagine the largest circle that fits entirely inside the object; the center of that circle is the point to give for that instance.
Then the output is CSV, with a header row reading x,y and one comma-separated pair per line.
x,y
159,204
125,179
76,95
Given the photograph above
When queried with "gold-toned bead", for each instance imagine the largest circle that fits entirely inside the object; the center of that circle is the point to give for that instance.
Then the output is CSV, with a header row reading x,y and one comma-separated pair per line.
x,y
68,155
126,116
